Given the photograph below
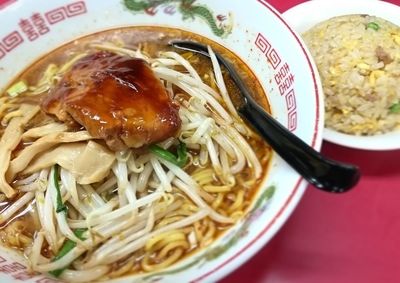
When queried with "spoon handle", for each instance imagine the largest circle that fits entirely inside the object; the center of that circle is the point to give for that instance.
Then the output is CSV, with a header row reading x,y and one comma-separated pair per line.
x,y
323,173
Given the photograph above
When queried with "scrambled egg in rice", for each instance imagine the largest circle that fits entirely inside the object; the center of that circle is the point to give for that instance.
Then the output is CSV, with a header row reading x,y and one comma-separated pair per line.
x,y
358,58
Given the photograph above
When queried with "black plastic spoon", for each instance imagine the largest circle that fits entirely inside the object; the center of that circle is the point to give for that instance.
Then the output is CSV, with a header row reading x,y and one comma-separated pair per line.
x,y
325,174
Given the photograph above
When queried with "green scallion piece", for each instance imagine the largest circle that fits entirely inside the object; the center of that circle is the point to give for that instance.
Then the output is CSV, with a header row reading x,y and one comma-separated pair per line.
x,y
163,153
179,160
60,205
395,108
66,248
17,88
373,25
182,154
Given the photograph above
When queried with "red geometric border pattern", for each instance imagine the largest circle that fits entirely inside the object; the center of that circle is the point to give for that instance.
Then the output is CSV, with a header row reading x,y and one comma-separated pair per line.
x,y
262,43
75,9
265,47
2,52
274,58
39,27
69,11
283,78
292,118
11,41
56,15
291,101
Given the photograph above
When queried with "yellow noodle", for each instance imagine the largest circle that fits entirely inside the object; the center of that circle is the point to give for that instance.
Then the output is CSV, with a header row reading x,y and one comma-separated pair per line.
x,y
169,236
168,198
187,55
237,215
205,176
158,246
223,210
166,262
186,209
190,207
9,116
48,79
50,72
23,240
128,266
237,204
71,62
190,160
187,230
249,183
180,212
169,220
212,81
171,246
246,204
265,157
207,197
217,189
15,234
209,235
218,200
5,106
197,231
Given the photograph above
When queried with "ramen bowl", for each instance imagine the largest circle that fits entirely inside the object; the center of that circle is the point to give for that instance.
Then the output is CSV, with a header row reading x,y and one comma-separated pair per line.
x,y
273,53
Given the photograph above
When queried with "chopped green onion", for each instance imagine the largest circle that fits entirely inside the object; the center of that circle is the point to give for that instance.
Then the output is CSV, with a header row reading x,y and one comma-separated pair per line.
x,y
373,25
17,88
163,153
179,160
182,154
66,248
395,108
60,205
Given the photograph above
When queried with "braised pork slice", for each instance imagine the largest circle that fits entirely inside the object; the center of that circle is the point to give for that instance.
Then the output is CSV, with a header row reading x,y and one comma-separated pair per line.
x,y
116,98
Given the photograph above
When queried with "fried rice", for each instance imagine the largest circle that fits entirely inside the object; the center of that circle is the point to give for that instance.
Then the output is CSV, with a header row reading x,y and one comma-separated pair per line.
x,y
358,58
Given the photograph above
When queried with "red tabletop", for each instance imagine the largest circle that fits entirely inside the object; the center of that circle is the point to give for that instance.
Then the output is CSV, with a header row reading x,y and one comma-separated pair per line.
x,y
352,237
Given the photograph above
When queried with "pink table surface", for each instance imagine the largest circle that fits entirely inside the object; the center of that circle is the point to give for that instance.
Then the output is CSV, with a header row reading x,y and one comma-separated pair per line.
x,y
354,237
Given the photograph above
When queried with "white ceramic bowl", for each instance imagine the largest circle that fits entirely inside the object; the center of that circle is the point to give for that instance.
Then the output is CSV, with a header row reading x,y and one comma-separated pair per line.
x,y
256,33
304,16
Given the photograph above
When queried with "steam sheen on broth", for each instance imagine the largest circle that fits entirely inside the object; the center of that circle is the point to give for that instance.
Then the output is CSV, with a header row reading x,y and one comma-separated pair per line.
x,y
121,155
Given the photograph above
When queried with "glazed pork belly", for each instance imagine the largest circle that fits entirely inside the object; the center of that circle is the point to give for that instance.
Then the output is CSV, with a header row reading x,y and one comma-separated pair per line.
x,y
116,98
